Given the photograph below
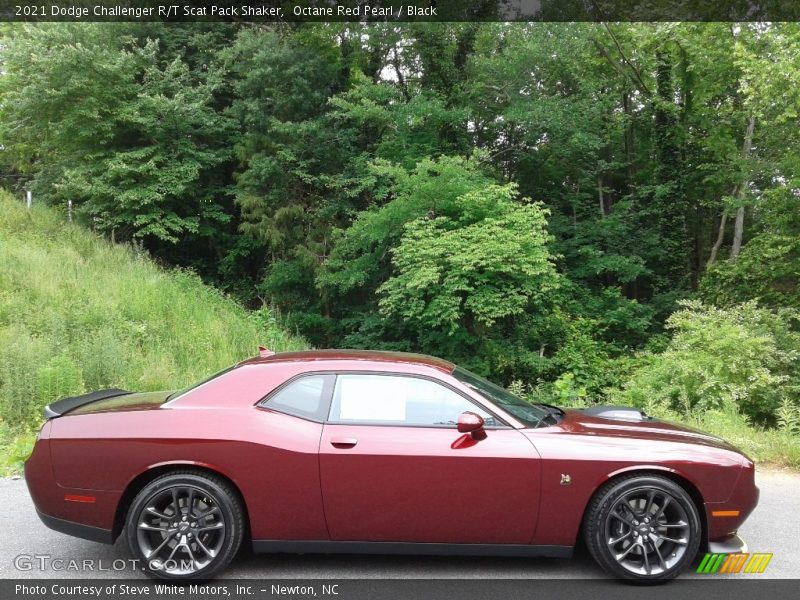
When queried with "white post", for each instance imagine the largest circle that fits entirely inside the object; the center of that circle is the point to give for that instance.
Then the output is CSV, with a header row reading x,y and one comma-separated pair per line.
x,y
29,198
69,210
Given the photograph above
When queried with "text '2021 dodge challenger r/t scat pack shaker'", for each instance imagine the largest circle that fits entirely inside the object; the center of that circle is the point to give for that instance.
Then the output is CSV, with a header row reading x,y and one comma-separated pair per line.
x,y
357,451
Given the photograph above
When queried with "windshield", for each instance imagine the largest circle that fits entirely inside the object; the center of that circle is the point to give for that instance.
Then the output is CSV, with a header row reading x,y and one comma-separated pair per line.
x,y
530,414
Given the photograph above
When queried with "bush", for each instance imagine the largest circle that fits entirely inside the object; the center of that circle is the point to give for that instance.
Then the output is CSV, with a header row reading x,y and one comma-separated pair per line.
x,y
744,357
14,451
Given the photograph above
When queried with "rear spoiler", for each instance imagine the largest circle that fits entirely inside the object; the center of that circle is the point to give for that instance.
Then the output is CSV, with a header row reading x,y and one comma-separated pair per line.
x,y
63,406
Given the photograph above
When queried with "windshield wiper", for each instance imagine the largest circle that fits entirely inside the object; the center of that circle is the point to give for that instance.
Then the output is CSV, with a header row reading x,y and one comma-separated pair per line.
x,y
553,412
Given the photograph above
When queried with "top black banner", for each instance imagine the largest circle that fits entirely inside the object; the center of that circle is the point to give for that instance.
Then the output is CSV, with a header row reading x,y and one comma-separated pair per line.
x,y
277,11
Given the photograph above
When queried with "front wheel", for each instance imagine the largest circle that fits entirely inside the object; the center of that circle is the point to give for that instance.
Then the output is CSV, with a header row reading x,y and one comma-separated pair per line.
x,y
185,525
644,528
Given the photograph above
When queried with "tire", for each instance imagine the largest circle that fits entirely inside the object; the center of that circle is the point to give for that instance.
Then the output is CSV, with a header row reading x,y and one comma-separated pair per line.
x,y
185,525
652,540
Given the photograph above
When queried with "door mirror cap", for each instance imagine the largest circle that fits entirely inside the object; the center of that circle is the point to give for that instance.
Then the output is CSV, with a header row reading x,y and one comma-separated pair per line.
x,y
469,422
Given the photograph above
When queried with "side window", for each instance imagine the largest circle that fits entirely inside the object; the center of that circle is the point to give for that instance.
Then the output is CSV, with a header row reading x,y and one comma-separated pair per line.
x,y
391,399
304,397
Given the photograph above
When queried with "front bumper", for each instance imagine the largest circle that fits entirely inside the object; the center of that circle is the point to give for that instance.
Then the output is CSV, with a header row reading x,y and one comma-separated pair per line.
x,y
725,518
733,545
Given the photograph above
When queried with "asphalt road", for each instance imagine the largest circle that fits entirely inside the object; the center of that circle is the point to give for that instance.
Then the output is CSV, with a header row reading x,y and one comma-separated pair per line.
x,y
773,527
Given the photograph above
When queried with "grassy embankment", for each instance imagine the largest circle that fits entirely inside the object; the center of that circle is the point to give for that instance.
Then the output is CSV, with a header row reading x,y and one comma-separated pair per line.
x,y
78,314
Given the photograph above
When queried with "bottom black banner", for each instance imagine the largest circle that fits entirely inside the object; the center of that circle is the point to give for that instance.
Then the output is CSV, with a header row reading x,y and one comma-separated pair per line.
x,y
375,589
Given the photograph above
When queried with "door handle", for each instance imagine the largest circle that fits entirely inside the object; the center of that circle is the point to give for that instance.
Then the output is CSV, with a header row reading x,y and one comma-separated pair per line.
x,y
343,442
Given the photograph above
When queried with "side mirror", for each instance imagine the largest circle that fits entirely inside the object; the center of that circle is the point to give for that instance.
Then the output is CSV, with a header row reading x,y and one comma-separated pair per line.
x,y
472,423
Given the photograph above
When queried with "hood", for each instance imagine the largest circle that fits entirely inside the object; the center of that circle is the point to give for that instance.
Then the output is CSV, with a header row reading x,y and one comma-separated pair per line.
x,y
648,428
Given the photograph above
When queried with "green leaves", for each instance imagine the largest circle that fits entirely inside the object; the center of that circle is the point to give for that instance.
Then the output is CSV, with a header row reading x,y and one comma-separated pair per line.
x,y
360,255
743,357
130,138
487,263
768,267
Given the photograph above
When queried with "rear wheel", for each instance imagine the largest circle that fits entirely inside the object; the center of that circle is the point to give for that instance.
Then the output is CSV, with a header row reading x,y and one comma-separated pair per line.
x,y
643,527
185,525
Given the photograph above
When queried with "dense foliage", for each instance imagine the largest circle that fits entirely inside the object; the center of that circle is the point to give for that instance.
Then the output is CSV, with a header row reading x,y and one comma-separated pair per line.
x,y
744,357
531,200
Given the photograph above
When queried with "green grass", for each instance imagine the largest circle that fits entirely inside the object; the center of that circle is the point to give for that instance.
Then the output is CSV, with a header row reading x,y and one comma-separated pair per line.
x,y
774,447
78,314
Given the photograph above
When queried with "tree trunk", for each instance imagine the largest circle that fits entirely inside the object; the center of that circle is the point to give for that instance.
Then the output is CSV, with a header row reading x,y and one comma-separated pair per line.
x,y
738,193
600,196
720,236
628,141
738,228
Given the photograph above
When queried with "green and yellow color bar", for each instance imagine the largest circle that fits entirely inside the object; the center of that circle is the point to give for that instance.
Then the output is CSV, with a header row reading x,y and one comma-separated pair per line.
x,y
734,563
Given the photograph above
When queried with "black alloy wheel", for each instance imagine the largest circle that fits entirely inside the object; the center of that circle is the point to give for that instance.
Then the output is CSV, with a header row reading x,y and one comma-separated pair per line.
x,y
185,525
643,528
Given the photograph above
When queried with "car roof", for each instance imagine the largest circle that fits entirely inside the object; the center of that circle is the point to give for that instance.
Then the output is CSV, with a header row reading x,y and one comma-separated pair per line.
x,y
375,356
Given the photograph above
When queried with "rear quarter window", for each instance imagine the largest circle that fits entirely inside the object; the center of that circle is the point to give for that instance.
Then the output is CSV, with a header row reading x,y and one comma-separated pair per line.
x,y
305,397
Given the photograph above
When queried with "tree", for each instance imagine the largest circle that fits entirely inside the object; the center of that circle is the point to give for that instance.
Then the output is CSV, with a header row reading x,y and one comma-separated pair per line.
x,y
131,142
360,258
488,262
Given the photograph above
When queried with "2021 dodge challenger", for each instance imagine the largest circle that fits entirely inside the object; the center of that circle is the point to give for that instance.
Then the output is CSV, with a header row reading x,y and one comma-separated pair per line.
x,y
358,451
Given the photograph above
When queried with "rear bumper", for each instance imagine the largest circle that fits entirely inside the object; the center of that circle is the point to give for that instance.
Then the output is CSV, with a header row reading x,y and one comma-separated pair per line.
x,y
87,532
733,545
89,514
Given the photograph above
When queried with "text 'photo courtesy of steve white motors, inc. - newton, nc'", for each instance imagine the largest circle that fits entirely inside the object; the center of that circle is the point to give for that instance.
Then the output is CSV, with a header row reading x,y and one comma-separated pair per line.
x,y
168,11
194,590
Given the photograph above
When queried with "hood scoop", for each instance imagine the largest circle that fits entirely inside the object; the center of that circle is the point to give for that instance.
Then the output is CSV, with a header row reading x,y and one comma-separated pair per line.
x,y
618,413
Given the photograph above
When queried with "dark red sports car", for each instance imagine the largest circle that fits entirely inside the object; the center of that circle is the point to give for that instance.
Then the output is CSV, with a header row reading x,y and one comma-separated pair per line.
x,y
355,451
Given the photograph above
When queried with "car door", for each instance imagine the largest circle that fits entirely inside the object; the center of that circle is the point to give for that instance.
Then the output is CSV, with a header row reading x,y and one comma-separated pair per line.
x,y
282,474
394,468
